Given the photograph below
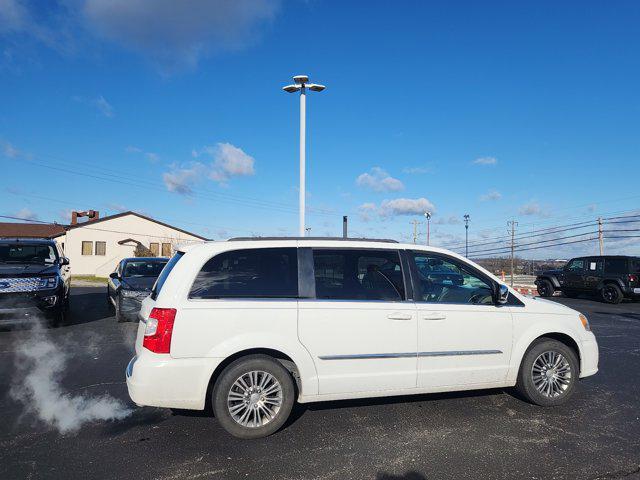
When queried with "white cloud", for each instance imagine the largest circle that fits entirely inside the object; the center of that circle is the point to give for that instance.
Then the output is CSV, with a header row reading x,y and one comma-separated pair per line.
x,y
13,16
174,34
379,180
531,208
450,220
491,195
485,161
182,180
151,156
417,170
99,103
228,161
9,150
406,206
366,211
26,214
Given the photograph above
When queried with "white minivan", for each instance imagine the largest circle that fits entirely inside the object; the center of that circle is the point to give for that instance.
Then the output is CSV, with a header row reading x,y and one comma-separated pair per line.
x,y
249,326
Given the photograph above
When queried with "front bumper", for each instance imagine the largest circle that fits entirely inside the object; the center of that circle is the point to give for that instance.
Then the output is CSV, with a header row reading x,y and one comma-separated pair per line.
x,y
29,307
158,380
589,358
130,305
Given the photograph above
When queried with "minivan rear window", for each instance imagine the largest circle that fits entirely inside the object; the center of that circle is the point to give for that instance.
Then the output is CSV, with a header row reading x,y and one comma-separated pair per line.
x,y
164,274
249,273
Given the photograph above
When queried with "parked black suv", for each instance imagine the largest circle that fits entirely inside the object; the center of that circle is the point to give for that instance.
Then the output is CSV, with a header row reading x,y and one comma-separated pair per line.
x,y
611,277
34,281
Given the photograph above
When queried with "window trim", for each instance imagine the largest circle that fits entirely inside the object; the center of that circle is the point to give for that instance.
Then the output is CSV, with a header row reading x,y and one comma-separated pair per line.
x,y
405,276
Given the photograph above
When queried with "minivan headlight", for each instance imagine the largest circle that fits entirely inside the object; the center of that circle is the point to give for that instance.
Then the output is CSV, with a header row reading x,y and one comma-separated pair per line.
x,y
585,322
47,283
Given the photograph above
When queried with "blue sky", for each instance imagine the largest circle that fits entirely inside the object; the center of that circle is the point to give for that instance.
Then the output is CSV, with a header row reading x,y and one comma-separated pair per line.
x,y
175,109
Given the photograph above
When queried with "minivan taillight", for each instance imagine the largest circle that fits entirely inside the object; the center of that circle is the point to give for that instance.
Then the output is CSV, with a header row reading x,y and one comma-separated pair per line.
x,y
157,333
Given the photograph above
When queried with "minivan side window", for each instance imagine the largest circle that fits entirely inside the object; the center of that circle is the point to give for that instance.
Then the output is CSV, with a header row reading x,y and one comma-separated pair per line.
x,y
445,280
350,274
249,273
163,274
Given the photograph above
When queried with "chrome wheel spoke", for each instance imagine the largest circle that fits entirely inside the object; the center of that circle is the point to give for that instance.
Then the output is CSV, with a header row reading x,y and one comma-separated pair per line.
x,y
551,374
254,399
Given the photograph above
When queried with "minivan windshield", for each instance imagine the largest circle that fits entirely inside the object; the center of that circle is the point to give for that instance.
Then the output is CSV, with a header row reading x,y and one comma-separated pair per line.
x,y
18,253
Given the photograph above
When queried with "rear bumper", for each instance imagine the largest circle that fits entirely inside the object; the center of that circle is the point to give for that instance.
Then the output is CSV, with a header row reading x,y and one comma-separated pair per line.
x,y
589,358
162,381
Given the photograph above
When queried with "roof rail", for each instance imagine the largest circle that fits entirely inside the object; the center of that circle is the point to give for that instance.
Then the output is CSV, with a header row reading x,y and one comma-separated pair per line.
x,y
247,239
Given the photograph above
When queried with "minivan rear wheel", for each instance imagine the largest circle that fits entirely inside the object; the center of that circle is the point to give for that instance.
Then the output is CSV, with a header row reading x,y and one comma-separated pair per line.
x,y
548,373
253,397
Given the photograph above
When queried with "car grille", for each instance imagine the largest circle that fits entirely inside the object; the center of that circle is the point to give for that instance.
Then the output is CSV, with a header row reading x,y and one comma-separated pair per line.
x,y
13,285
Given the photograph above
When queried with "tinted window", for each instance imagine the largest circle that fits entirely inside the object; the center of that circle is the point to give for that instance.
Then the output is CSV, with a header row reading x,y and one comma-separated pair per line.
x,y
358,275
27,253
164,274
635,265
136,268
576,265
444,280
615,265
594,265
250,273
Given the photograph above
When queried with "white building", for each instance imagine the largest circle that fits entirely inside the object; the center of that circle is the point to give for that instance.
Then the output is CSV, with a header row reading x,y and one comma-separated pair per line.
x,y
95,246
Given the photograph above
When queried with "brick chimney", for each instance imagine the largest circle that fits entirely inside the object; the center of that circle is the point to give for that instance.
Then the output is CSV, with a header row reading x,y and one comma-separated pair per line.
x,y
90,214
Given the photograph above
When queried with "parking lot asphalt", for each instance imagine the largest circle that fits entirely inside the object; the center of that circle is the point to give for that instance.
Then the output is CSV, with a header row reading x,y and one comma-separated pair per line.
x,y
480,434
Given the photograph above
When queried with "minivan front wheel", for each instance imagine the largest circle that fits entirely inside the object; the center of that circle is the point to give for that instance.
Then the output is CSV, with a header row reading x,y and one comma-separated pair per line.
x,y
548,373
253,397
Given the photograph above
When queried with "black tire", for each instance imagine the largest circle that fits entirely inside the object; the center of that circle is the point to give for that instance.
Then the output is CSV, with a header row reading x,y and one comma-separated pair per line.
x,y
225,384
566,385
545,288
611,293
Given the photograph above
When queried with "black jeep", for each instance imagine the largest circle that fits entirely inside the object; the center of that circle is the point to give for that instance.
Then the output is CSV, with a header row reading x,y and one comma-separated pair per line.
x,y
34,282
611,277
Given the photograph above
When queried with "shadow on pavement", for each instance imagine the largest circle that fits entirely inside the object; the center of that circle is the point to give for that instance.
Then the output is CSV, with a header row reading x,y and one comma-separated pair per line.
x,y
88,307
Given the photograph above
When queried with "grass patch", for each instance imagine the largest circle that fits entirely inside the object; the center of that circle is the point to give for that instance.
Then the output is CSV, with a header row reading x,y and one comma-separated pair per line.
x,y
89,278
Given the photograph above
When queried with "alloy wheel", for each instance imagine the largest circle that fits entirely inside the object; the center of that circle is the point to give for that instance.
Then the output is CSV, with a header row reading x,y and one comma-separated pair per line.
x,y
551,374
254,399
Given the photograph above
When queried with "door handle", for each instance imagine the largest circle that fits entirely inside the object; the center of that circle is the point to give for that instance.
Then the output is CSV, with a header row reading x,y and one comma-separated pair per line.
x,y
434,316
399,316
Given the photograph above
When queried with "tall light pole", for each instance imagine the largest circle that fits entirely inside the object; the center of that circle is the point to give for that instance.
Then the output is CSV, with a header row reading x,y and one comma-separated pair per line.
x,y
301,84
466,234
428,217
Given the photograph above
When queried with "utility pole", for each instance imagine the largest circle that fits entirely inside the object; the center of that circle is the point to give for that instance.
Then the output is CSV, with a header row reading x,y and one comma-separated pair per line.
x,y
600,237
301,84
415,231
428,217
513,225
344,226
466,234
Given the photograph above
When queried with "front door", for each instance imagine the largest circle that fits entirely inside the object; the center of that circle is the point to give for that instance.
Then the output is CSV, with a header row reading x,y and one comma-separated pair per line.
x,y
573,275
359,328
463,337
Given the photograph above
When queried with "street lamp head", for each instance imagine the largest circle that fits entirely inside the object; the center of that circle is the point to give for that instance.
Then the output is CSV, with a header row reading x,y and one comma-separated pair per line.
x,y
301,79
315,87
291,88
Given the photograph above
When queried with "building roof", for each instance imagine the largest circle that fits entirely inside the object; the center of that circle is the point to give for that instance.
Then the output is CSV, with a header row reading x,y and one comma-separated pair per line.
x,y
124,214
30,230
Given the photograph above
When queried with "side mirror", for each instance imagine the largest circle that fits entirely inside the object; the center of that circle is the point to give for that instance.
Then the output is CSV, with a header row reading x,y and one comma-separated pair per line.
x,y
113,275
64,261
502,294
